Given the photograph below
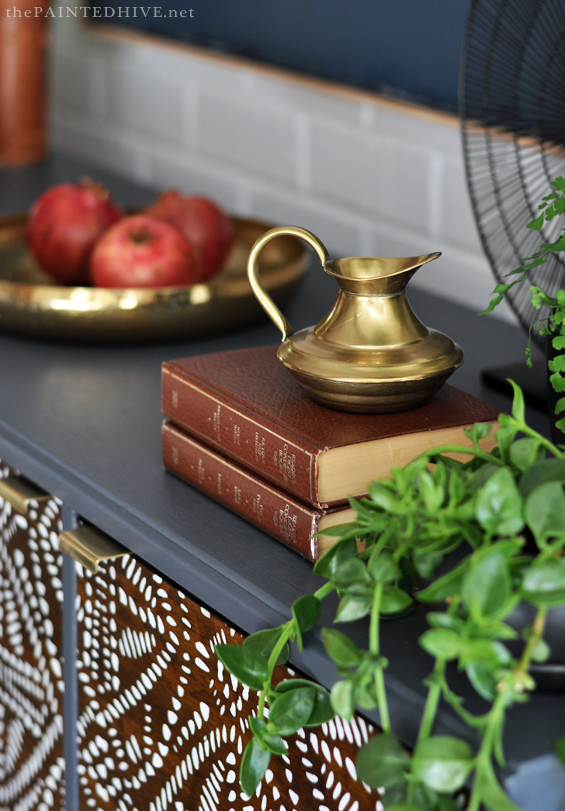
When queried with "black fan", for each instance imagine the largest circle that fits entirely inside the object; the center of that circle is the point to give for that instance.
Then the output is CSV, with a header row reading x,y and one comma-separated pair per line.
x,y
512,109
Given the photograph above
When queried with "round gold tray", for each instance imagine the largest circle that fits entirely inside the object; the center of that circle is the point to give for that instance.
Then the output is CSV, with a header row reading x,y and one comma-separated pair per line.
x,y
30,303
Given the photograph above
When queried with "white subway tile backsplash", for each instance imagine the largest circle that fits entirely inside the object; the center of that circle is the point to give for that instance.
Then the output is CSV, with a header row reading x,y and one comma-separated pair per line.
x,y
340,237
147,104
257,137
108,150
71,82
371,174
367,175
192,175
457,221
347,167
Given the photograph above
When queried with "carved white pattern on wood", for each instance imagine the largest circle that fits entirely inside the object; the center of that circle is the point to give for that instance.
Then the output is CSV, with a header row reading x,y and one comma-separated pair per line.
x,y
162,725
31,724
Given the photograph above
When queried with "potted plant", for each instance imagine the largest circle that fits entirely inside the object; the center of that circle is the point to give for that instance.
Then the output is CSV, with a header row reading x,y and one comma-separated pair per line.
x,y
553,324
387,560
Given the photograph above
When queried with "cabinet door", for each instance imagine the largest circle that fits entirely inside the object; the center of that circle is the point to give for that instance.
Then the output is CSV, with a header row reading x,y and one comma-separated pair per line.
x,y
162,725
31,724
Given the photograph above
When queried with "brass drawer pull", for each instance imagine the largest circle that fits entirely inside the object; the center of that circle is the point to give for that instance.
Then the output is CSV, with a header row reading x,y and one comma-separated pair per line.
x,y
20,493
89,546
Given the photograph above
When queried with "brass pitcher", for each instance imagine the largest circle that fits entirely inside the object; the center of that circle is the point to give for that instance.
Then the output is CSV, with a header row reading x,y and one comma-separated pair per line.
x,y
370,353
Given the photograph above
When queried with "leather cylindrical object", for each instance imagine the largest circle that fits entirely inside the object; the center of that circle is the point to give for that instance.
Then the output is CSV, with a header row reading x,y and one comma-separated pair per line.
x,y
23,29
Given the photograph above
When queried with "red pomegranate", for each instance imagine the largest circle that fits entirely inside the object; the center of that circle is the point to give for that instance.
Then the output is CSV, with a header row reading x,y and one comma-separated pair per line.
x,y
203,223
64,225
142,251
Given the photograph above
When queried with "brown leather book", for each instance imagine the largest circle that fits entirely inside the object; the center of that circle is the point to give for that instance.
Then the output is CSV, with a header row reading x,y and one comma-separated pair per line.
x,y
245,404
271,509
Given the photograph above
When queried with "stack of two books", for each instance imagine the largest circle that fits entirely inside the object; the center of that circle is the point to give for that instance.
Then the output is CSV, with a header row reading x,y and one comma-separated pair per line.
x,y
239,428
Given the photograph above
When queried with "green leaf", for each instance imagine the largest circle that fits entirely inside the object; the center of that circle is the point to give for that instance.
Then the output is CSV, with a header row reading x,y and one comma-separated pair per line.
x,y
340,648
491,792
524,452
445,586
487,651
537,223
544,583
403,807
275,743
306,613
364,695
290,711
560,750
545,470
486,586
441,643
342,699
440,619
395,600
382,567
352,577
382,762
248,666
498,508
263,642
254,764
352,608
336,554
518,405
482,678
545,511
443,763
541,651
322,711
381,495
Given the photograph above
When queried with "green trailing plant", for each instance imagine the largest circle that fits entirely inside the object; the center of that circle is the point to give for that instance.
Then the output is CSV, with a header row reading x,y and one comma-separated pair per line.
x,y
483,509
553,325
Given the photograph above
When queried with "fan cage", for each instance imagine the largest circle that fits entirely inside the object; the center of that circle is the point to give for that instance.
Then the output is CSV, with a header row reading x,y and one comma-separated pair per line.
x,y
512,111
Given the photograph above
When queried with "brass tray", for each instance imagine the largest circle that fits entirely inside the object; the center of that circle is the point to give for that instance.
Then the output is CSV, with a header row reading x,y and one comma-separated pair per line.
x,y
30,303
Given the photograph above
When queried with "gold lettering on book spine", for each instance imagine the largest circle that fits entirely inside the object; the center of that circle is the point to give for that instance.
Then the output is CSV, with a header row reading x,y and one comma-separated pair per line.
x,y
236,435
175,398
286,463
286,522
219,482
258,507
175,455
259,448
201,471
237,494
216,420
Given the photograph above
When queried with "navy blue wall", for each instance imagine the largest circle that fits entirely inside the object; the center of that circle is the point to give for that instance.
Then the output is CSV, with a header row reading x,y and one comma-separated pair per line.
x,y
408,48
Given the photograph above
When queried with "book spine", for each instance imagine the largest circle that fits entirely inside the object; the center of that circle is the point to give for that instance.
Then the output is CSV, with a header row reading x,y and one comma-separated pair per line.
x,y
239,436
283,517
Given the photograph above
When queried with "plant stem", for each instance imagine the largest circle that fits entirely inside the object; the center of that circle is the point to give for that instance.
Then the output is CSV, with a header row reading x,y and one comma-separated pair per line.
x,y
374,648
432,701
535,635
484,758
480,454
525,429
324,590
286,633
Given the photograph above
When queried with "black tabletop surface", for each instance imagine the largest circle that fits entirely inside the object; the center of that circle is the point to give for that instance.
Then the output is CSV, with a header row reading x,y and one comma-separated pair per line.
x,y
83,421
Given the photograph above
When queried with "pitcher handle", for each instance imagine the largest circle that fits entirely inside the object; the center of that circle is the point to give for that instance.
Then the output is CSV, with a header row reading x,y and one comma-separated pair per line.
x,y
262,296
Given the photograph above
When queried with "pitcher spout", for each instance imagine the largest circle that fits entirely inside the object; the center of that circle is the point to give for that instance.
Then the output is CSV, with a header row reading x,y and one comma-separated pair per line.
x,y
376,275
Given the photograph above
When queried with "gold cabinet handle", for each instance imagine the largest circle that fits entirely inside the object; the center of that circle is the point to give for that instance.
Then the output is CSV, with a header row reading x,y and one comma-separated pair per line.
x,y
89,546
253,270
20,493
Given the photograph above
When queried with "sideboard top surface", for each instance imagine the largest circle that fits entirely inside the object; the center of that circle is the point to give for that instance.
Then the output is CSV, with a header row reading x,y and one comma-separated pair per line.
x,y
83,421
